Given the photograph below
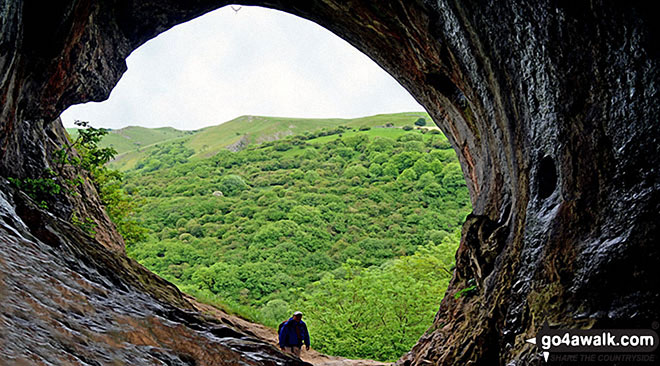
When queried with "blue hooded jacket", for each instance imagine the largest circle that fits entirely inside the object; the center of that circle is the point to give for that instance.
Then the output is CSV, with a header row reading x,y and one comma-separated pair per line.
x,y
294,334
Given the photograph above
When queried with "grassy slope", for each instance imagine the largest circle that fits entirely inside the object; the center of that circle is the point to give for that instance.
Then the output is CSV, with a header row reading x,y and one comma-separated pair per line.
x,y
392,133
133,137
255,129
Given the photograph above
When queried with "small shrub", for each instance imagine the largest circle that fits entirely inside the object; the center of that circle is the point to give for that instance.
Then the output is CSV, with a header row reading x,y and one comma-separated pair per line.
x,y
420,122
87,224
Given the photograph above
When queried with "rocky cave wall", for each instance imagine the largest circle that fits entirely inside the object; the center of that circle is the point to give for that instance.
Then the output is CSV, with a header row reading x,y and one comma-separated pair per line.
x,y
551,106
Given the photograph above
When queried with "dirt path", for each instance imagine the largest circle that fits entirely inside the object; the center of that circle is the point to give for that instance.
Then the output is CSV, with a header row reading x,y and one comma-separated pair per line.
x,y
270,335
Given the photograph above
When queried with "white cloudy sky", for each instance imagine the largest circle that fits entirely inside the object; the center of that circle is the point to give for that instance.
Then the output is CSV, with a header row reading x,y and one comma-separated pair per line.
x,y
256,61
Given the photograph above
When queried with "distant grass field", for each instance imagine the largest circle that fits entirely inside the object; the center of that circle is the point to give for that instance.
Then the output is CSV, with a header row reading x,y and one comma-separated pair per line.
x,y
134,137
392,133
208,141
133,143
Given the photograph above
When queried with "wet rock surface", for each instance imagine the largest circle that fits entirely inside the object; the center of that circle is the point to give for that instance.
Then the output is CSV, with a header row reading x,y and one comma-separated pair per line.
x,y
552,107
68,300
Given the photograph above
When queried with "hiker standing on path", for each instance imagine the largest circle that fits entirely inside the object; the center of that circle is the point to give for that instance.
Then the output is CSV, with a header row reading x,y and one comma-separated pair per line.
x,y
293,334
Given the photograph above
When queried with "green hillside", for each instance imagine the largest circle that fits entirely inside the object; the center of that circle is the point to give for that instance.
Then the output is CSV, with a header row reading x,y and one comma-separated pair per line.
x,y
248,130
336,223
266,215
133,137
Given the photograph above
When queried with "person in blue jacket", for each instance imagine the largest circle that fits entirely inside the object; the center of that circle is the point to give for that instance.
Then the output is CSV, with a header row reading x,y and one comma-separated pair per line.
x,y
293,334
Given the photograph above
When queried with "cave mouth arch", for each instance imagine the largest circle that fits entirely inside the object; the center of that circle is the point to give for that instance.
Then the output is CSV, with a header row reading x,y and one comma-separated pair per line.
x,y
463,105
532,74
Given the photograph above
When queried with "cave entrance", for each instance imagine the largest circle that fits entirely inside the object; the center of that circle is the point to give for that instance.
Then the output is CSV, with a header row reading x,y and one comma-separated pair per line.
x,y
342,219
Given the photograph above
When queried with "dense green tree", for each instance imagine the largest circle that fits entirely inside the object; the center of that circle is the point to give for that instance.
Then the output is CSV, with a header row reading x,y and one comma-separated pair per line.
x,y
356,171
341,308
232,184
335,225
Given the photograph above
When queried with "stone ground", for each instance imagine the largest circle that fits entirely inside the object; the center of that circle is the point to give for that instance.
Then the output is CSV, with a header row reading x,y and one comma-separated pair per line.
x,y
270,335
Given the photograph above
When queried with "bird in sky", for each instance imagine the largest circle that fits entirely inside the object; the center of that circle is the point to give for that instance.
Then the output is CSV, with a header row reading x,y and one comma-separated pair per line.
x,y
236,9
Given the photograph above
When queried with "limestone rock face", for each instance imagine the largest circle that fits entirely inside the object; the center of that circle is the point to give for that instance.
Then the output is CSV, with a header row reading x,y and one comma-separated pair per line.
x,y
552,107
68,300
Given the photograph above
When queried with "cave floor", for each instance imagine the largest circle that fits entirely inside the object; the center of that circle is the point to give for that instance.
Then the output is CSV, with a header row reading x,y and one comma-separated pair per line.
x,y
270,335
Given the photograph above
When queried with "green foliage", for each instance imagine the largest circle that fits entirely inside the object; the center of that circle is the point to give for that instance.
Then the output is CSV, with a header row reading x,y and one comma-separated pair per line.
x,y
405,292
330,224
420,122
120,206
164,155
87,224
92,158
275,309
232,184
134,144
471,289
39,189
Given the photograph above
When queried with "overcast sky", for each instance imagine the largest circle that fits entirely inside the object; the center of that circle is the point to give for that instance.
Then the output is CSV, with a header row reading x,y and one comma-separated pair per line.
x,y
252,62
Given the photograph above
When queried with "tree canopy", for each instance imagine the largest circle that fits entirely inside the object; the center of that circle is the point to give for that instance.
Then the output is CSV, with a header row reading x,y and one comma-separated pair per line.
x,y
334,225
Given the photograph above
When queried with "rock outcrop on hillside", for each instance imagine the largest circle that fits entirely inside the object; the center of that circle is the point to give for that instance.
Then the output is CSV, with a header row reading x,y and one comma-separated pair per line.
x,y
552,107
